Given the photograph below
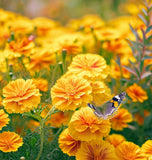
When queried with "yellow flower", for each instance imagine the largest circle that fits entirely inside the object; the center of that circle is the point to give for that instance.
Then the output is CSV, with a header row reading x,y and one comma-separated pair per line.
x,y
20,96
70,93
72,43
85,126
10,141
116,72
21,25
68,144
107,33
121,24
147,148
43,25
121,119
57,119
87,23
41,84
129,151
3,66
115,139
90,66
100,92
17,48
42,58
136,93
89,151
3,119
140,118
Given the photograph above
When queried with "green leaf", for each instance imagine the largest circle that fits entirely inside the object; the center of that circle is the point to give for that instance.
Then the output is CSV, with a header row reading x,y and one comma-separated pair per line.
x,y
148,29
130,70
147,57
138,46
148,39
118,61
147,121
137,71
134,32
144,12
143,19
146,74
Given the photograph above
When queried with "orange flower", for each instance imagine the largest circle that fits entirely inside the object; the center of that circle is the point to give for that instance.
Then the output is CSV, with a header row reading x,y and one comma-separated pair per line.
x,y
121,119
57,119
147,148
100,92
116,72
42,58
10,141
89,151
41,84
90,66
16,49
71,92
3,119
72,43
136,93
140,118
129,151
20,96
85,126
43,25
21,25
67,144
87,23
115,139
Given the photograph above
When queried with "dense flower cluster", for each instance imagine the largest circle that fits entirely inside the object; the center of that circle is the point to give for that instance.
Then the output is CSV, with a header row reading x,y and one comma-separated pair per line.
x,y
50,74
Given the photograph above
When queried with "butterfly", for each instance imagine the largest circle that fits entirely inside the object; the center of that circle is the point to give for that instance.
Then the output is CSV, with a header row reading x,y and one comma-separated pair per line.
x,y
110,108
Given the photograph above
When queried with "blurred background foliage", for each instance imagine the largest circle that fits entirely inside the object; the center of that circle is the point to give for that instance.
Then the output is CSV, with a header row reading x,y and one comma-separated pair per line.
x,y
63,10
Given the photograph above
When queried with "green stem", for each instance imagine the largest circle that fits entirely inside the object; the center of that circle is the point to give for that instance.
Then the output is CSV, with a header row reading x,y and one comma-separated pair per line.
x,y
42,123
42,139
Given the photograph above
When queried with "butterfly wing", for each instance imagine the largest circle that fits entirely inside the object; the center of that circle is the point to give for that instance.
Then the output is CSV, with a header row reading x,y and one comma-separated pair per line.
x,y
110,108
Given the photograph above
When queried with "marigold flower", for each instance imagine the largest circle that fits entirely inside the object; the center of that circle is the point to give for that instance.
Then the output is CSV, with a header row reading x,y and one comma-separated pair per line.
x,y
3,119
20,96
10,141
72,43
129,151
21,25
42,58
57,119
71,92
87,22
147,148
140,118
136,93
116,72
90,66
68,144
115,139
41,84
43,25
121,119
85,126
89,151
107,34
100,92
16,49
